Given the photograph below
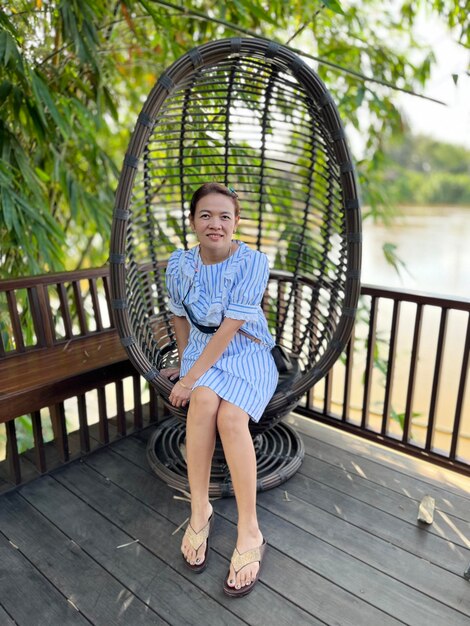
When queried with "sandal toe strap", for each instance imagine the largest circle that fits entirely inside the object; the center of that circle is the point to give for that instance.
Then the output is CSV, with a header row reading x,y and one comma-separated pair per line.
x,y
239,561
197,539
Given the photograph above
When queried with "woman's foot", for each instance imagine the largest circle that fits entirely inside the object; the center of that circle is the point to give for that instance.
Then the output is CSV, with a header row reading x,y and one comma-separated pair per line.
x,y
246,542
194,544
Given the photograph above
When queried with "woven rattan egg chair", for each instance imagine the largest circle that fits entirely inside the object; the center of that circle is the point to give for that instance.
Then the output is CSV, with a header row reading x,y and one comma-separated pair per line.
x,y
252,115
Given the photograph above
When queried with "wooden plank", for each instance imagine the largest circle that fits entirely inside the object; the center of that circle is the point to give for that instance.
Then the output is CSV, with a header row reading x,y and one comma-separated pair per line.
x,y
40,457
281,574
379,471
391,361
12,457
372,584
369,584
46,314
27,460
79,307
399,505
65,310
430,579
59,391
15,321
371,339
437,378
53,278
28,471
43,335
5,619
83,424
121,411
167,592
96,303
57,362
52,455
95,593
103,415
5,485
156,533
407,536
427,472
458,415
27,597
137,395
445,587
59,427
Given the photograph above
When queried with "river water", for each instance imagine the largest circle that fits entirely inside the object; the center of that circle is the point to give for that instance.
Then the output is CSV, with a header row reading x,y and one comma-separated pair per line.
x,y
432,242
434,245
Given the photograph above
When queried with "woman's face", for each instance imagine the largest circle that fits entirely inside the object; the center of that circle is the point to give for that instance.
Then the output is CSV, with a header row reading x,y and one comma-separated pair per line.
x,y
214,222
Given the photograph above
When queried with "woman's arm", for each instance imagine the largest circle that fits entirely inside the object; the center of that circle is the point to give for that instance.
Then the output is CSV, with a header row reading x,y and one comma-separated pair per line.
x,y
182,334
211,353
214,349
181,326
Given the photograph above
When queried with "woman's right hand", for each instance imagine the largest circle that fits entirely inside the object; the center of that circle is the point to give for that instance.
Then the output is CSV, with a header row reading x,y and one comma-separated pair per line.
x,y
172,373
180,394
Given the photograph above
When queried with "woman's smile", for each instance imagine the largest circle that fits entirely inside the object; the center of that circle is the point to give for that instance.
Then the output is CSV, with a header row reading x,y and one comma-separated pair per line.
x,y
214,223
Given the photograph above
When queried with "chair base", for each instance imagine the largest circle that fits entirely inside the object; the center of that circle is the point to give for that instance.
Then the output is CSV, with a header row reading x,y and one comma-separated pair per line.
x,y
279,454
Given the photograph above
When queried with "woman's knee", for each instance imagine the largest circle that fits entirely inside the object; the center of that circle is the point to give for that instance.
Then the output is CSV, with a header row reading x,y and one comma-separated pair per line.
x,y
231,420
204,404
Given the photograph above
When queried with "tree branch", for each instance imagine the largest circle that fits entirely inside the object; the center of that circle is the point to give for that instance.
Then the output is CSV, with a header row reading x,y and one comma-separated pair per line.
x,y
246,31
190,13
84,252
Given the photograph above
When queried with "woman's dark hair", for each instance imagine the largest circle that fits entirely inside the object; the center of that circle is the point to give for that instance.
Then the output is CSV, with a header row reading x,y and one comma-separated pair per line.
x,y
208,188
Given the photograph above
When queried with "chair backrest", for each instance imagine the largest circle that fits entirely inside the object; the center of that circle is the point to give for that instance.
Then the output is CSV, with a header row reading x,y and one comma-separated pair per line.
x,y
252,115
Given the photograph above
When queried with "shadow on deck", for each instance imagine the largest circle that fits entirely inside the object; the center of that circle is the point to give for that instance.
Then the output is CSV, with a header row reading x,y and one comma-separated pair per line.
x,y
94,543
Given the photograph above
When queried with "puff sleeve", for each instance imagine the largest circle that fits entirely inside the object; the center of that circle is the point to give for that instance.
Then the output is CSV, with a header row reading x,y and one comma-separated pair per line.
x,y
248,288
173,283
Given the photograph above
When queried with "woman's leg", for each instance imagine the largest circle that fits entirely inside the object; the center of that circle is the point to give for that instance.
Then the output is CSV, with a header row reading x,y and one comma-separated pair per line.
x,y
200,442
232,423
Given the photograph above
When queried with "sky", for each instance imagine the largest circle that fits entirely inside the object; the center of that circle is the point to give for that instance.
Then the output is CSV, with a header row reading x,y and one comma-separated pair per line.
x,y
449,123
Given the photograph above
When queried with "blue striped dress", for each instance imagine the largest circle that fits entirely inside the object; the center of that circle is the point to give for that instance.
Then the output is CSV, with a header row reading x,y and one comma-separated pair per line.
x,y
245,374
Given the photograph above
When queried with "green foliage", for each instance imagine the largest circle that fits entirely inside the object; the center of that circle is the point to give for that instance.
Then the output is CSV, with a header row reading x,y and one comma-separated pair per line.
x,y
74,74
419,170
426,155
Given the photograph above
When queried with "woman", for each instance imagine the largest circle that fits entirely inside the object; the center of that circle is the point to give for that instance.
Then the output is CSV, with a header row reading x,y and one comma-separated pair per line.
x,y
227,373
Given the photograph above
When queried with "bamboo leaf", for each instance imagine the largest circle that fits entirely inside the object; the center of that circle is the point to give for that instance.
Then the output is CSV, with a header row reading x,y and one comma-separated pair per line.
x,y
5,90
255,9
43,95
77,72
334,6
7,208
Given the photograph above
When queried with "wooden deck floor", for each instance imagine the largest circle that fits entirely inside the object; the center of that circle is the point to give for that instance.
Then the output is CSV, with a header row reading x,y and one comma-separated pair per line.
x,y
93,543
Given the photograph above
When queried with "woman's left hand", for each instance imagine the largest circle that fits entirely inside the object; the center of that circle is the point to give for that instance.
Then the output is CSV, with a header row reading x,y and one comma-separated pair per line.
x,y
179,395
170,372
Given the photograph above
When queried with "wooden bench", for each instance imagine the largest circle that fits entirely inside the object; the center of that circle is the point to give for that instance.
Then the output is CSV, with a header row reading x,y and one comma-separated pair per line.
x,y
57,341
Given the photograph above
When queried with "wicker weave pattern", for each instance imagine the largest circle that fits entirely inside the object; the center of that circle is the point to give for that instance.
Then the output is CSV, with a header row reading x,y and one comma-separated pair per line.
x,y
254,116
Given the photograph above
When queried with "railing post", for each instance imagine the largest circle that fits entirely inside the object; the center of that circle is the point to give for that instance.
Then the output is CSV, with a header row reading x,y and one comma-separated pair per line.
x,y
59,429
38,441
412,375
390,366
12,452
369,362
460,394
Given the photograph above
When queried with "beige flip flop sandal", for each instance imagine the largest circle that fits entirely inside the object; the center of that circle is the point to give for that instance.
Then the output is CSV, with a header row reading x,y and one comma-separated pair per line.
x,y
238,562
196,540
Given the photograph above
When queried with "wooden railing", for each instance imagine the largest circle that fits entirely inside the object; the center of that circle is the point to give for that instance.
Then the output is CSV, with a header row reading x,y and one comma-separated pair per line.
x,y
67,387
403,379
60,358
